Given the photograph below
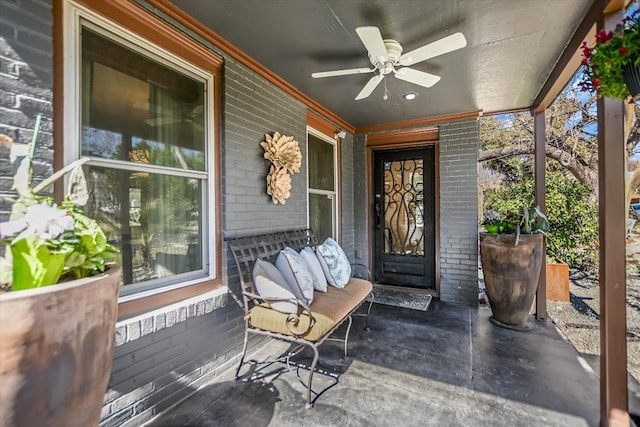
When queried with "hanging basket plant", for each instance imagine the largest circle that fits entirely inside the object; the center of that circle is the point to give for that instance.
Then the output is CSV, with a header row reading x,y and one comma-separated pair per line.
x,y
612,63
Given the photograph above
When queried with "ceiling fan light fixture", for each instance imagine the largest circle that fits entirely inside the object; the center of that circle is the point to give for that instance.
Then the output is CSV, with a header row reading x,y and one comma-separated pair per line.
x,y
410,96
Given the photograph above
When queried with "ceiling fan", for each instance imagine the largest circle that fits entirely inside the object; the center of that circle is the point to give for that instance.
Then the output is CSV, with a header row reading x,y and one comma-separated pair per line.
x,y
386,57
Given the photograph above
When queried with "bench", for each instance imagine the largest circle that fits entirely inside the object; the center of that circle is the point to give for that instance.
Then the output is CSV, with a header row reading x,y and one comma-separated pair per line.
x,y
312,324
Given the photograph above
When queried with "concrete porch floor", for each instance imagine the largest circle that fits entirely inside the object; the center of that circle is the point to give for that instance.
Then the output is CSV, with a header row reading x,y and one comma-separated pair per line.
x,y
445,366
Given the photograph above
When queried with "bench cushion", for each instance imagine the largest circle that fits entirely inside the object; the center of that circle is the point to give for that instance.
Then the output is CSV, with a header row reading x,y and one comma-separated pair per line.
x,y
327,308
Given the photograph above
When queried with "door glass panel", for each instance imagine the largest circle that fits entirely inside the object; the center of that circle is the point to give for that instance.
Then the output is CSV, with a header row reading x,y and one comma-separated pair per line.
x,y
320,164
404,207
321,215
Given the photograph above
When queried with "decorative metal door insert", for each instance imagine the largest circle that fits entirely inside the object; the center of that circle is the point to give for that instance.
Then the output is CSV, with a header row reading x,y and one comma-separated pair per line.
x,y
404,207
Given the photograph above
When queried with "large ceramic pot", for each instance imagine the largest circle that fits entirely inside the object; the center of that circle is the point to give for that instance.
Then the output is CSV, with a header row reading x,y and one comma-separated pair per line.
x,y
56,350
511,275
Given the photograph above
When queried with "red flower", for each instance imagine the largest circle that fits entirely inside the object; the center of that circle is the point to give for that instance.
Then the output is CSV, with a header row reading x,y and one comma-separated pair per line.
x,y
623,51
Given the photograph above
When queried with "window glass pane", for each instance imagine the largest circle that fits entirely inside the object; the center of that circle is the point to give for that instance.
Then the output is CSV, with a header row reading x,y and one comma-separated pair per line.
x,y
320,164
136,109
154,219
321,215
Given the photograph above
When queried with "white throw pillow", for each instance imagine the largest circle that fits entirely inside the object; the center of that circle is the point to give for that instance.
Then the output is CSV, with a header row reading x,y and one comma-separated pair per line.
x,y
310,258
334,262
269,282
298,276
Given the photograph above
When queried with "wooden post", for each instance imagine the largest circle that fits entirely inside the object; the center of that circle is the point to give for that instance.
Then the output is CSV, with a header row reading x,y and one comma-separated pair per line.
x,y
612,216
540,140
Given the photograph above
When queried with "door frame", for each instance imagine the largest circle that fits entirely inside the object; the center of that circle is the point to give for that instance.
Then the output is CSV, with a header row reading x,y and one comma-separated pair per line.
x,y
399,140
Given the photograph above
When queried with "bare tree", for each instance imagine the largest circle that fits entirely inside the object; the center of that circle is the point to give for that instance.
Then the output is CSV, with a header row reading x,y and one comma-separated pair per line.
x,y
571,141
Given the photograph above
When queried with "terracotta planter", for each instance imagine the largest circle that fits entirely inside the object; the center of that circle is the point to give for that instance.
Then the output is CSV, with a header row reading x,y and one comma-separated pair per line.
x,y
56,350
631,76
511,275
557,281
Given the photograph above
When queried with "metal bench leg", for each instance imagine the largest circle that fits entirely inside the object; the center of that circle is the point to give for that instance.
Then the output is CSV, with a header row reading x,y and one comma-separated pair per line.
x,y
366,324
346,336
313,367
244,352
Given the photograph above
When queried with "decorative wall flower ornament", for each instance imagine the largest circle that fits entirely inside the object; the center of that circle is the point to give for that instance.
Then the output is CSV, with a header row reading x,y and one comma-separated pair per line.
x,y
278,185
282,151
284,154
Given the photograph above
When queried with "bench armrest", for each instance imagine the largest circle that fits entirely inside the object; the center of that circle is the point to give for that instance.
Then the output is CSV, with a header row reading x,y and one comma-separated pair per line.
x,y
358,274
293,318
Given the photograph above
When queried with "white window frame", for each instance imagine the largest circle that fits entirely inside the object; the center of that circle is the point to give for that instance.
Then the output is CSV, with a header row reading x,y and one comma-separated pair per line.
x,y
76,17
335,194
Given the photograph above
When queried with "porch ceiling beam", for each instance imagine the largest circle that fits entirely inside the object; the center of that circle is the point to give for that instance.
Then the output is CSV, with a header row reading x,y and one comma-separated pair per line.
x,y
570,59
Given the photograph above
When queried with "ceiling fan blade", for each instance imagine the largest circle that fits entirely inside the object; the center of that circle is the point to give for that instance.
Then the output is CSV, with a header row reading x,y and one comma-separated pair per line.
x,y
370,86
342,72
417,77
372,40
448,44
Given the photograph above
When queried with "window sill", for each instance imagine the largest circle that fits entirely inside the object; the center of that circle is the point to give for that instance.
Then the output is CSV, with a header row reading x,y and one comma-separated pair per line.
x,y
143,306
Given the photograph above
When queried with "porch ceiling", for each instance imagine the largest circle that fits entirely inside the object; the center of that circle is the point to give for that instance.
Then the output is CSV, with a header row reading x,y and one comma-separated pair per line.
x,y
512,47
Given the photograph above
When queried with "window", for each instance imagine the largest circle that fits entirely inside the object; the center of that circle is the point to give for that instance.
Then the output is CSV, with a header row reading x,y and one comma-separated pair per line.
x,y
142,115
322,185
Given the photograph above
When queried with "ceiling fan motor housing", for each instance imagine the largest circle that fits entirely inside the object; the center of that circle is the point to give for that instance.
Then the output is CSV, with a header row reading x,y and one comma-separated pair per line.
x,y
385,65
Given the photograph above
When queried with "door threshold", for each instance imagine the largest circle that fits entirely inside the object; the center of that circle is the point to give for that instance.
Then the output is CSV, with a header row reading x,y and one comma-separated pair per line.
x,y
406,289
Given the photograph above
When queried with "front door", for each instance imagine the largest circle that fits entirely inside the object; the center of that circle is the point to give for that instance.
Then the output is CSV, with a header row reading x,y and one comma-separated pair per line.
x,y
404,217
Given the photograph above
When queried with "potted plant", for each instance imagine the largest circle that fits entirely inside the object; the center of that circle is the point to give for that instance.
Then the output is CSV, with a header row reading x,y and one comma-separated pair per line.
x,y
612,64
512,256
58,306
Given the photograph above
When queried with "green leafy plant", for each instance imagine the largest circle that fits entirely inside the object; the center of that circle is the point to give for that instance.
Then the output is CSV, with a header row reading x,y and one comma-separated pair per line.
x,y
530,220
605,60
49,243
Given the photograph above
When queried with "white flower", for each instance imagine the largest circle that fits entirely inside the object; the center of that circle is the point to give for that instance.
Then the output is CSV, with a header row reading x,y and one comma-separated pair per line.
x,y
41,221
11,228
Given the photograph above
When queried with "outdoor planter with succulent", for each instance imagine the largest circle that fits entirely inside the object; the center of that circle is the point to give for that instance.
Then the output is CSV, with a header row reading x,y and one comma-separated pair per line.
x,y
531,220
512,256
613,61
59,306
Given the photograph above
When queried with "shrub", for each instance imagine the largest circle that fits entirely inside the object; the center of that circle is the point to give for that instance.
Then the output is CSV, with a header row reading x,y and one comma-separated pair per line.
x,y
573,221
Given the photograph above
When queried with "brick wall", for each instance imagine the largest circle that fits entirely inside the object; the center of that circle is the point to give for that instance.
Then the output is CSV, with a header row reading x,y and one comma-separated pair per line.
x,y
361,233
459,211
347,221
25,87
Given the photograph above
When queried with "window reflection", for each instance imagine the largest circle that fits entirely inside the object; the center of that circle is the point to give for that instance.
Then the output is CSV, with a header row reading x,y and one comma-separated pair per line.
x,y
137,103
155,220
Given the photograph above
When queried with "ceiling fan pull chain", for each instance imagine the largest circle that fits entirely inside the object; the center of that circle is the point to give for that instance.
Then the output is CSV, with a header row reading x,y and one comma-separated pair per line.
x,y
386,91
